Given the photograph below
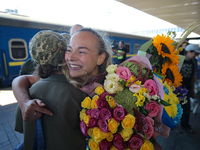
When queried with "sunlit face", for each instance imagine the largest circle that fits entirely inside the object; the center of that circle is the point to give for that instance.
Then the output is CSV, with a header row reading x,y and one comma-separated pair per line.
x,y
82,55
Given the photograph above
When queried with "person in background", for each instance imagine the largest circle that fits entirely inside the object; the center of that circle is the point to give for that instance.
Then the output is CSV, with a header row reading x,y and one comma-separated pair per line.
x,y
114,48
121,52
188,73
75,28
198,67
28,67
183,46
196,99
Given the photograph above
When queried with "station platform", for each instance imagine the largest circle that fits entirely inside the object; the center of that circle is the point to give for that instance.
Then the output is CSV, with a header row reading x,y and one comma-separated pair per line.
x,y
179,139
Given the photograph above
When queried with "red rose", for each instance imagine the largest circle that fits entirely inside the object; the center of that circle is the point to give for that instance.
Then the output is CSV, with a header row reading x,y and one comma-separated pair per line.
x,y
83,128
103,125
118,142
135,142
105,145
92,122
105,114
119,113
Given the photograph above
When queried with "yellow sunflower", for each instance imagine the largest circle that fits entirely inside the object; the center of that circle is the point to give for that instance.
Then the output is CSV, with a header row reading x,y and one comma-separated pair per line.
x,y
165,48
173,76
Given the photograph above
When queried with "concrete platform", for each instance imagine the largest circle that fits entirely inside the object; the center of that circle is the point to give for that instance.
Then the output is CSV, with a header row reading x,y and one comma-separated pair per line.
x,y
179,139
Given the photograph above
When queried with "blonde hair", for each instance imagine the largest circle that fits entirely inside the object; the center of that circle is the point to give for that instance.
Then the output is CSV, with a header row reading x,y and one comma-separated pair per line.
x,y
104,46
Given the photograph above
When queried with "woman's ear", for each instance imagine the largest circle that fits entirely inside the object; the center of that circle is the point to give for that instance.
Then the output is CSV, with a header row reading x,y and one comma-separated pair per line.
x,y
101,59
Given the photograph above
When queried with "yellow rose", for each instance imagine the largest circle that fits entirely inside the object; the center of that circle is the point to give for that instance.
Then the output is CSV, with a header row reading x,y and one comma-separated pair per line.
x,y
94,101
98,135
99,90
113,148
113,125
82,114
111,68
126,134
111,101
112,87
147,145
86,103
93,145
113,77
90,132
86,119
128,122
109,137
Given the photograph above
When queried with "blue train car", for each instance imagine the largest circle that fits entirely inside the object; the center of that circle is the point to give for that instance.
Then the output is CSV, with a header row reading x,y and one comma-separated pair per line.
x,y
16,32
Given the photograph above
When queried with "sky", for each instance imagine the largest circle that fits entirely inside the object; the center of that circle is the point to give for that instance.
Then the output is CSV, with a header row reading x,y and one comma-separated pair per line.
x,y
99,14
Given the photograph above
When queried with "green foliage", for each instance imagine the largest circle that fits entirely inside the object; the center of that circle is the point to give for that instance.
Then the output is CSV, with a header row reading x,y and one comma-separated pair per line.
x,y
164,103
134,68
127,100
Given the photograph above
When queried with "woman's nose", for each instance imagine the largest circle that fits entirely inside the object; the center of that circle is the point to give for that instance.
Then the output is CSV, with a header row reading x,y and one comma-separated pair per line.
x,y
72,56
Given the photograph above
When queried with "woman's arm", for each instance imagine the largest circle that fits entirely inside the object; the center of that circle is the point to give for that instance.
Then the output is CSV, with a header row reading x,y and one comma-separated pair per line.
x,y
29,108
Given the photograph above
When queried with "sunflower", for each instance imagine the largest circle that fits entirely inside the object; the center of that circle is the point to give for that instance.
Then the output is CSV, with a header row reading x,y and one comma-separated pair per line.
x,y
165,48
172,74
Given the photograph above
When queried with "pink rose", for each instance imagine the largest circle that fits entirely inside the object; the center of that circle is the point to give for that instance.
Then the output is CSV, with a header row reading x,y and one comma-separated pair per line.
x,y
101,103
135,142
124,73
134,88
95,113
150,129
119,113
103,125
105,114
118,142
105,145
83,128
151,86
153,107
92,122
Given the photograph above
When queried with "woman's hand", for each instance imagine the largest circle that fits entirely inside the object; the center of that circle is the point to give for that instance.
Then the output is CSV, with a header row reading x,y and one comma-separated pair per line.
x,y
33,109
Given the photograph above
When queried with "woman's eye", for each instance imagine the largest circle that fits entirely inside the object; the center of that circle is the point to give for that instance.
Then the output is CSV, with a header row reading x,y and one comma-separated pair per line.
x,y
68,50
82,52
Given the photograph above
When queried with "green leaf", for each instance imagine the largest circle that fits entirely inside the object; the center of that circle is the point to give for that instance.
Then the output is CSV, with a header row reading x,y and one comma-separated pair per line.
x,y
145,46
164,103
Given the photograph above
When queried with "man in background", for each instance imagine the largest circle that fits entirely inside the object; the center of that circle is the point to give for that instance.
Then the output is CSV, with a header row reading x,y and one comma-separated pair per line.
x,y
188,73
121,52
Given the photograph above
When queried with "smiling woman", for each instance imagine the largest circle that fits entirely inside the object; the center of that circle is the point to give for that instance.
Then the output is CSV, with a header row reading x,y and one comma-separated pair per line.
x,y
86,59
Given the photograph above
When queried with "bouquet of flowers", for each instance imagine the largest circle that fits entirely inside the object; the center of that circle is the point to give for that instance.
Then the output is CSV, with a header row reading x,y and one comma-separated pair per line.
x,y
126,112
163,53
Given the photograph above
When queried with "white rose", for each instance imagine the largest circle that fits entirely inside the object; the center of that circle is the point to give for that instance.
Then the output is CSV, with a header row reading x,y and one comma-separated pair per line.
x,y
113,76
112,87
111,68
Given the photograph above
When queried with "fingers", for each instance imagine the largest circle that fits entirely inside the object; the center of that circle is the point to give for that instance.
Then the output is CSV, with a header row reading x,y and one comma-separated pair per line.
x,y
33,109
43,110
40,103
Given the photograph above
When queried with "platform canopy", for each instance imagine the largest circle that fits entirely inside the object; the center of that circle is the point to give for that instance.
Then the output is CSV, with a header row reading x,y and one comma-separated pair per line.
x,y
178,12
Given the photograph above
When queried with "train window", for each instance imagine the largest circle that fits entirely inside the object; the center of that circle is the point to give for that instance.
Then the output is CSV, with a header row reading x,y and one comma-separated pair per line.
x,y
128,47
136,48
18,49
